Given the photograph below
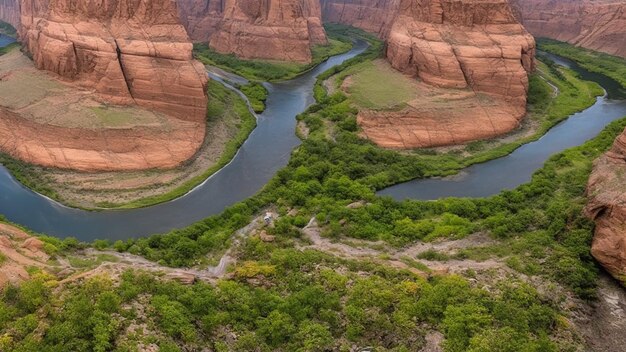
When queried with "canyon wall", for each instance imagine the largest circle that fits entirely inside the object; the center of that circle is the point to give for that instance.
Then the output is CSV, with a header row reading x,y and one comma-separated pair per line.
x,y
593,24
472,45
128,51
201,18
282,30
10,12
374,16
607,207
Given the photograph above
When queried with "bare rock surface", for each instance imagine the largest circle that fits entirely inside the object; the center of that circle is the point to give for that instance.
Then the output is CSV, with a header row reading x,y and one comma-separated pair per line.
x,y
375,16
593,24
201,18
283,30
607,207
471,46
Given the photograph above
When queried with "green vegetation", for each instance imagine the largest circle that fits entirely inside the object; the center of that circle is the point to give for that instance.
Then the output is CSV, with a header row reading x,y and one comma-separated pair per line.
x,y
259,70
257,95
7,49
223,102
309,302
608,65
7,29
374,85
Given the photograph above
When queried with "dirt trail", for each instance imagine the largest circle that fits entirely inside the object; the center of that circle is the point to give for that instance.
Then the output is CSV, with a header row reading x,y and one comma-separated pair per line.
x,y
395,257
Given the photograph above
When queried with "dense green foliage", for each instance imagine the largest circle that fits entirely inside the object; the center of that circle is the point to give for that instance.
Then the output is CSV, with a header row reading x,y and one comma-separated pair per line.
x,y
257,95
324,175
302,301
259,70
594,61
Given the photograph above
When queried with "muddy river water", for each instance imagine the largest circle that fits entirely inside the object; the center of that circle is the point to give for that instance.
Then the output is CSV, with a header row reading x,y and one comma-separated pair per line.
x,y
267,150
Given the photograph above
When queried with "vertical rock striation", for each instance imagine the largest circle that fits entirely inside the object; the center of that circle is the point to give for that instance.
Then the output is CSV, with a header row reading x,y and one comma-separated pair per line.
x,y
375,16
607,207
10,12
128,51
282,30
201,18
593,24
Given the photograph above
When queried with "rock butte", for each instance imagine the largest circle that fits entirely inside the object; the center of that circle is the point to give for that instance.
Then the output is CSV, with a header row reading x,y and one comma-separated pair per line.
x,y
283,30
473,45
607,206
126,52
593,24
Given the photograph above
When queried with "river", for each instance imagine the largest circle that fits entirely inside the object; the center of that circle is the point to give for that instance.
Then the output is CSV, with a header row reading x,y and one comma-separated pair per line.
x,y
268,149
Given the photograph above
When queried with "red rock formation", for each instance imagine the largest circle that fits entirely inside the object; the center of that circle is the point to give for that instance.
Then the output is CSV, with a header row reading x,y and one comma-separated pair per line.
x,y
473,44
593,24
282,30
201,18
10,12
375,16
127,50
607,206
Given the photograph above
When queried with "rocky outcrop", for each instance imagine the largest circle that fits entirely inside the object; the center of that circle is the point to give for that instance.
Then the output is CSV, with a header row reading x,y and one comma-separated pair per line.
x,y
201,18
20,252
375,16
128,51
607,207
10,12
593,24
282,30
470,44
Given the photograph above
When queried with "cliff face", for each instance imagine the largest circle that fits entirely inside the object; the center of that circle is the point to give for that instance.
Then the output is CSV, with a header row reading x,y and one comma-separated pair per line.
x,y
476,45
607,207
593,24
128,51
10,12
270,29
375,16
201,18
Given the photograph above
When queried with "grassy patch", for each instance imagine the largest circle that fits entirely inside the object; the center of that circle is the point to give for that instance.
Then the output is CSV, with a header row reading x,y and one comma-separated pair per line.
x,y
608,65
257,95
377,86
88,263
260,70
7,49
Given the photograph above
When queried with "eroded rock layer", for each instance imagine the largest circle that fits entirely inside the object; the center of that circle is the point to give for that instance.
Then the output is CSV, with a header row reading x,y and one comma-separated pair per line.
x,y
127,50
470,44
124,52
282,30
593,24
607,206
375,16
201,18
10,12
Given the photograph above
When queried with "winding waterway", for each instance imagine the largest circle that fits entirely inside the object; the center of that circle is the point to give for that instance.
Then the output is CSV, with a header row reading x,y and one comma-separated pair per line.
x,y
268,149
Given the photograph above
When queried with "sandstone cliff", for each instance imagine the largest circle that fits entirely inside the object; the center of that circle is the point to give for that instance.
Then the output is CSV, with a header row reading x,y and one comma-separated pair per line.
x,y
128,51
10,12
375,16
593,24
476,45
607,206
201,18
282,30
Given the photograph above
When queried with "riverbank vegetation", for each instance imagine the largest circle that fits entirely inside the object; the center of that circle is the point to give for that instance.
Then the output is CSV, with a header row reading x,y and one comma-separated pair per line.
x,y
256,94
229,122
594,61
7,29
285,294
270,71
